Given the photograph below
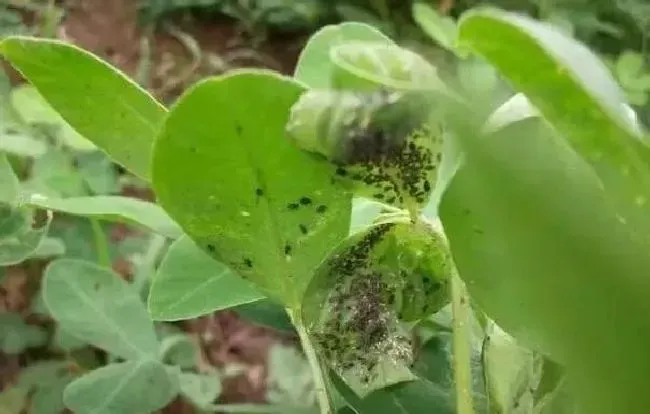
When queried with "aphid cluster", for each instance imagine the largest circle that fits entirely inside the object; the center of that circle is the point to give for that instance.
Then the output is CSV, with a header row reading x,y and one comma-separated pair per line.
x,y
382,142
360,327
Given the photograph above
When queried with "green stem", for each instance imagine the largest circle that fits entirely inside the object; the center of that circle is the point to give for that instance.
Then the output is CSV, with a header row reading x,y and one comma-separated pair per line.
x,y
461,346
317,373
101,244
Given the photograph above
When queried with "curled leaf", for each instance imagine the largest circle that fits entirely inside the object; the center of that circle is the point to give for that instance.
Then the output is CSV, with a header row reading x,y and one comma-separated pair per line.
x,y
390,273
385,145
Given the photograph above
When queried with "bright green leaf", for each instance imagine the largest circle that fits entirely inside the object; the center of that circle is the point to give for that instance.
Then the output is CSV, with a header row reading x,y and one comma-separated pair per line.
x,y
314,68
112,208
99,307
98,101
241,190
189,283
135,387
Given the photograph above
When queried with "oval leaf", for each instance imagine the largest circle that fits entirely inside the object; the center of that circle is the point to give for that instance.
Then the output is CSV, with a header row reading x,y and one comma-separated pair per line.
x,y
189,283
97,306
314,67
98,101
241,190
576,93
112,208
134,387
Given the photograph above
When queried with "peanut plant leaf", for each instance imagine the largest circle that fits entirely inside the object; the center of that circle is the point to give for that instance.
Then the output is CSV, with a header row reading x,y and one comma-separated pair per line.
x,y
9,184
189,283
537,240
200,390
574,90
138,387
442,29
98,306
98,101
390,272
46,381
16,335
112,208
34,109
366,65
314,68
239,188
21,233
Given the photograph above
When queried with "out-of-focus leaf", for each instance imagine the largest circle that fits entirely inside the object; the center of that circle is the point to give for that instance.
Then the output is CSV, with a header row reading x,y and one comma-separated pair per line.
x,y
16,335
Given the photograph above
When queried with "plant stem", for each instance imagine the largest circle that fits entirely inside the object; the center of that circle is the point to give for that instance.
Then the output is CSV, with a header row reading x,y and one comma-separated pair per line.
x,y
461,346
101,245
317,373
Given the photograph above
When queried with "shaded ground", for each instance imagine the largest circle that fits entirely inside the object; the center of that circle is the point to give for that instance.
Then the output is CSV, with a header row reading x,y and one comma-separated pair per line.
x,y
166,59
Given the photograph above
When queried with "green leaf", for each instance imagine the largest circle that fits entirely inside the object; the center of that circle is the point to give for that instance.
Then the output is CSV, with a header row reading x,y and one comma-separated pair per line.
x,y
537,241
46,381
16,335
12,400
390,272
575,92
97,306
314,68
241,190
49,247
21,233
370,65
189,283
290,379
512,372
34,109
21,144
9,184
98,101
54,175
385,146
442,29
135,387
99,172
266,312
112,208
200,390
179,350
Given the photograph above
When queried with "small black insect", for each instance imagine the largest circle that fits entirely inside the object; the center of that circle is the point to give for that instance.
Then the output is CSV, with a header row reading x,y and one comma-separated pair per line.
x,y
305,201
239,129
259,192
287,249
248,262
341,171
293,206
321,209
303,228
211,248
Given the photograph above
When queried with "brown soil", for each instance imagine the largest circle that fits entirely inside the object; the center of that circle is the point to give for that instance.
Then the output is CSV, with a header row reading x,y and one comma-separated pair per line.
x,y
110,29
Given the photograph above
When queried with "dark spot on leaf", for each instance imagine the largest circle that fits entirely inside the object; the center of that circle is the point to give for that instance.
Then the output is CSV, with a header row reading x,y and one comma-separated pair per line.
x,y
341,171
239,129
259,192
96,286
248,262
427,186
193,150
287,249
305,201
378,196
303,228
321,209
293,206
211,248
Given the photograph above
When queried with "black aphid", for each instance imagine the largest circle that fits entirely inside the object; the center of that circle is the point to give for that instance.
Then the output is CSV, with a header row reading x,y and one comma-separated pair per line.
x,y
293,206
287,249
259,192
211,248
248,262
305,201
321,209
303,228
